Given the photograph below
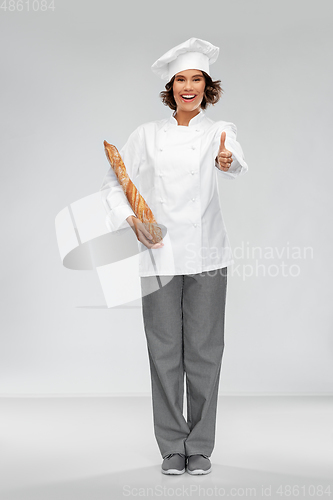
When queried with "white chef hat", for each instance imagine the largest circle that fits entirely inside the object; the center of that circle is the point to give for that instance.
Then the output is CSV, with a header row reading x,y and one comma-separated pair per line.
x,y
192,54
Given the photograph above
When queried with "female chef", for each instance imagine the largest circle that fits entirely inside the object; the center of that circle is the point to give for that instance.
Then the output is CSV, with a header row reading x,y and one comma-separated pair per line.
x,y
175,163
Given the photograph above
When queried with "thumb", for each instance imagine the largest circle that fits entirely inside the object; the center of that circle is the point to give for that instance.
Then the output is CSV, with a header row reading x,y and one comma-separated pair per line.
x,y
222,141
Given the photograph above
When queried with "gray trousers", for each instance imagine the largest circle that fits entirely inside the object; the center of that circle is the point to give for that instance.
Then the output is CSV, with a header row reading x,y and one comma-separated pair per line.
x,y
184,328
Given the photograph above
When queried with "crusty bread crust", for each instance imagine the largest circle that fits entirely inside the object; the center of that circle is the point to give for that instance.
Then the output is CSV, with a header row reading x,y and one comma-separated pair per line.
x,y
137,202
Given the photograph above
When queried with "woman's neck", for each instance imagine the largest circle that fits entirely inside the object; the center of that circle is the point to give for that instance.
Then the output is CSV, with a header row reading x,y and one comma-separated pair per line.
x,y
184,117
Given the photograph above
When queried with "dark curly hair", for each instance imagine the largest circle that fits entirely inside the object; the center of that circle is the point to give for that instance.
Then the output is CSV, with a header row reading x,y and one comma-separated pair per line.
x,y
212,94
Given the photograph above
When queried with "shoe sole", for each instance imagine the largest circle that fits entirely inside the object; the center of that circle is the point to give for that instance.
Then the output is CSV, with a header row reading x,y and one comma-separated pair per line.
x,y
173,471
197,472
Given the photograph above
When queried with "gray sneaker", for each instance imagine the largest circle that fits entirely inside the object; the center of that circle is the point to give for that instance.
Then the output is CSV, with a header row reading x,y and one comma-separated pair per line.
x,y
198,464
174,463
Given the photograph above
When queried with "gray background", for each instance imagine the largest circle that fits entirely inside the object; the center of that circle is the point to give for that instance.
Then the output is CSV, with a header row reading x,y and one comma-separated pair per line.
x,y
81,74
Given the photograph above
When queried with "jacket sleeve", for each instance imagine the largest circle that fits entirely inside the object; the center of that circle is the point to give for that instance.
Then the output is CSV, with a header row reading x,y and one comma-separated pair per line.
x,y
238,165
113,197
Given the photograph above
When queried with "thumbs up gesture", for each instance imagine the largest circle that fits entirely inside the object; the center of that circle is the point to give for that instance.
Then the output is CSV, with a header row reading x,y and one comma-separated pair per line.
x,y
224,157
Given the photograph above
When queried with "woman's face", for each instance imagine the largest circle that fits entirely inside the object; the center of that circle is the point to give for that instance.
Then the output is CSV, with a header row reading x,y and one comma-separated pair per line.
x,y
188,89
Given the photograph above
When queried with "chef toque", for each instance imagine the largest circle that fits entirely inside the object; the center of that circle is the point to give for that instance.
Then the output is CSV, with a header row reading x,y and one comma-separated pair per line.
x,y
192,54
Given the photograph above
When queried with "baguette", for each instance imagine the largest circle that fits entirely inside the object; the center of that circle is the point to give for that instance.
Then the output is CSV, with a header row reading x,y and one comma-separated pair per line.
x,y
137,202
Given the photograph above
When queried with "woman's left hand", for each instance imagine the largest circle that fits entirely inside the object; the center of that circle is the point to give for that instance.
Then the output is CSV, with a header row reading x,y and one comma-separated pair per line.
x,y
224,157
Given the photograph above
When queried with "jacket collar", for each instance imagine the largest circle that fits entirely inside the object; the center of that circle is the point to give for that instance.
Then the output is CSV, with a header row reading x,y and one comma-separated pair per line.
x,y
192,123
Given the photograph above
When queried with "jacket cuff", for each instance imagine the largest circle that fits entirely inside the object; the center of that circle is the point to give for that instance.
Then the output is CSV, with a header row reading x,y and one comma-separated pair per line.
x,y
116,218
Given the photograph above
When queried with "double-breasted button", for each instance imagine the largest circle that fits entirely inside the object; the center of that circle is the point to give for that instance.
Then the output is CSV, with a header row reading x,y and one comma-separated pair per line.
x,y
193,199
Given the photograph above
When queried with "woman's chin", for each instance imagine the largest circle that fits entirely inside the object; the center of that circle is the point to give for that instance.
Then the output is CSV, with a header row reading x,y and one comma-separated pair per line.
x,y
187,108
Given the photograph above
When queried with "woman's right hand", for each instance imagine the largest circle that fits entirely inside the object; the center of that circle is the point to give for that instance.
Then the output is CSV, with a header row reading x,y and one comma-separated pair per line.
x,y
141,233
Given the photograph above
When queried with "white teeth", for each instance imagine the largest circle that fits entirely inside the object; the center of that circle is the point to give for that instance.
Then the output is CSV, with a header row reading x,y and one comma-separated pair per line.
x,y
188,96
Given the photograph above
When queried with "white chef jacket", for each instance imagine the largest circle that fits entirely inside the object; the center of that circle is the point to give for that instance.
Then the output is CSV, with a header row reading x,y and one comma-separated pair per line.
x,y
174,169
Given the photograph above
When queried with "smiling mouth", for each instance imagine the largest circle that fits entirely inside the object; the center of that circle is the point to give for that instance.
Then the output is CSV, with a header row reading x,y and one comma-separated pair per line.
x,y
188,97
